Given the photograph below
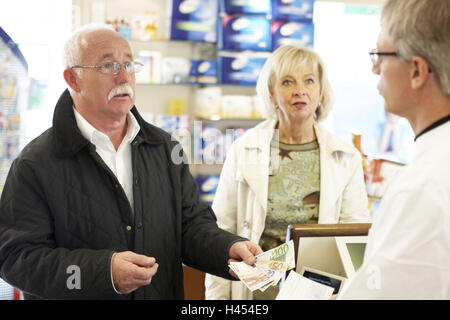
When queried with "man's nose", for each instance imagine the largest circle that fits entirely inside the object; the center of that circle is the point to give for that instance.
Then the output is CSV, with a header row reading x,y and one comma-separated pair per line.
x,y
376,68
123,76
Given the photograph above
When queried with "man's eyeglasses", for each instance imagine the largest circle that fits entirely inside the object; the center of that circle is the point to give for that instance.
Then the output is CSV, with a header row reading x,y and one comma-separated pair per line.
x,y
114,67
376,56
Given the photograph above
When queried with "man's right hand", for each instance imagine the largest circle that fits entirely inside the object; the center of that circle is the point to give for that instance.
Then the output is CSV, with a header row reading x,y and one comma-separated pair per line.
x,y
131,271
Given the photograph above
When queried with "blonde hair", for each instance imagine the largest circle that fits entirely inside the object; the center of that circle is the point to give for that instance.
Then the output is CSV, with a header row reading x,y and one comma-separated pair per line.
x,y
283,61
421,28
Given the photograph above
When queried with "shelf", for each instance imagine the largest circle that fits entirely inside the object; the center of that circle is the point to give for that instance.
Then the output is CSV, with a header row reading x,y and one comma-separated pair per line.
x,y
202,85
165,84
231,122
132,41
205,169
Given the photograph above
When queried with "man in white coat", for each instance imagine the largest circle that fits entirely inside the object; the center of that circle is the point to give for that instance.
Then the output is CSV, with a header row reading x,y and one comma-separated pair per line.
x,y
408,251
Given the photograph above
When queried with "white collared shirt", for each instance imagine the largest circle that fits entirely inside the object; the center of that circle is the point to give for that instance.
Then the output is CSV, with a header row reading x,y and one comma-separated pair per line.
x,y
119,161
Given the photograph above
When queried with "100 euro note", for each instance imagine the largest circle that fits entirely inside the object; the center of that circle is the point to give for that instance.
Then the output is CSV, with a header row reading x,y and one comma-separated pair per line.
x,y
268,269
284,252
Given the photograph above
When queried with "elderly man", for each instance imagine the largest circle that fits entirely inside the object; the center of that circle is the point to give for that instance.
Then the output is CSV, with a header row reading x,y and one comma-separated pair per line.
x,y
94,208
408,251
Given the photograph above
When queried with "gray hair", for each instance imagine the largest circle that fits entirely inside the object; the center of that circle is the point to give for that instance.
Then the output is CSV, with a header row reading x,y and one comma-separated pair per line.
x,y
72,48
288,59
421,28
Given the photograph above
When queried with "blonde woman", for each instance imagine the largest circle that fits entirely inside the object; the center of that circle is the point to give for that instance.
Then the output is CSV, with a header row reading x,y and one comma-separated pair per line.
x,y
288,169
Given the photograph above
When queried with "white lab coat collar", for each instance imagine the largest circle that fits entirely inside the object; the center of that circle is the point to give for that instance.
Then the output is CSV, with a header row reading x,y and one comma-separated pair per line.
x,y
428,140
257,138
254,162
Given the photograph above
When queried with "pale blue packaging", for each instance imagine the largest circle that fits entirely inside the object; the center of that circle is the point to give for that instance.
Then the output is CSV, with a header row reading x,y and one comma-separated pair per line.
x,y
240,68
205,31
239,33
256,7
293,10
194,20
125,32
194,10
213,146
300,34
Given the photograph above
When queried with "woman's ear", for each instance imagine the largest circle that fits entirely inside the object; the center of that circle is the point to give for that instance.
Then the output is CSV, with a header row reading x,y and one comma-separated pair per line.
x,y
71,79
272,97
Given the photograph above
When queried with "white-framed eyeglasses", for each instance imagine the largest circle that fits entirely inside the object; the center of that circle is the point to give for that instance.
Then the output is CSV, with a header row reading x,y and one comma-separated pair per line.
x,y
114,67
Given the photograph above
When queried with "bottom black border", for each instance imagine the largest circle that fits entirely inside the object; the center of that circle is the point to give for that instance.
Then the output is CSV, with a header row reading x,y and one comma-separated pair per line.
x,y
181,310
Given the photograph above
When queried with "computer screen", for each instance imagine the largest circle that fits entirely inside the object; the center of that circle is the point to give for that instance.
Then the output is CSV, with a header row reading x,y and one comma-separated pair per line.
x,y
351,251
356,251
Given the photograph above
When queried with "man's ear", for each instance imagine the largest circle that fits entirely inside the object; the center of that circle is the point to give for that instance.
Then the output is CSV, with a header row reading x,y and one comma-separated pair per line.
x,y
420,72
71,79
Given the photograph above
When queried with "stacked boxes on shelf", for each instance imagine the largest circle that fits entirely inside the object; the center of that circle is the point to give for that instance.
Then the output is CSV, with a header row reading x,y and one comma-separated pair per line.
x,y
245,32
244,40
196,20
211,144
187,20
253,28
292,23
193,20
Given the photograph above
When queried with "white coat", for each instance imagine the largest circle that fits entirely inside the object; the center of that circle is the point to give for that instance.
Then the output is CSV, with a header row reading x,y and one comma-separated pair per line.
x,y
408,250
240,202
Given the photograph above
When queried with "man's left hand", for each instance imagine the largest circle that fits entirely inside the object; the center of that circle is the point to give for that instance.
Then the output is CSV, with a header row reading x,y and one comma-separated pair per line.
x,y
243,251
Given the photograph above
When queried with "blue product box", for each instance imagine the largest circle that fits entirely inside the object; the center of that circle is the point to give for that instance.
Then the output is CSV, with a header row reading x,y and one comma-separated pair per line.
x,y
299,34
207,186
240,68
192,78
203,72
213,146
207,72
257,7
245,33
204,31
194,10
167,122
293,10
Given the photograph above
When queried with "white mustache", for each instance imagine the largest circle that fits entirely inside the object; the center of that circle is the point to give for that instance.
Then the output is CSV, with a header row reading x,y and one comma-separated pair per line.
x,y
123,89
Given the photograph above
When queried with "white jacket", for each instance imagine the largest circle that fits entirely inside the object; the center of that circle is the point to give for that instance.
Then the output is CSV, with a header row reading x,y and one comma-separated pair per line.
x,y
408,250
240,202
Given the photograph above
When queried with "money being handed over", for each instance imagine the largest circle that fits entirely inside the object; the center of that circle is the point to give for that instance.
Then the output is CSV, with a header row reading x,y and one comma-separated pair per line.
x,y
268,269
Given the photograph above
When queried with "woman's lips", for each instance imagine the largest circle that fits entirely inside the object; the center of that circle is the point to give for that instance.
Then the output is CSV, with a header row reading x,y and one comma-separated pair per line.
x,y
299,105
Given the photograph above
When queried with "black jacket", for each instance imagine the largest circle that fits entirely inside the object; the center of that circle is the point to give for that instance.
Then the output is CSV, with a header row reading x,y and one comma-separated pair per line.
x,y
61,206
